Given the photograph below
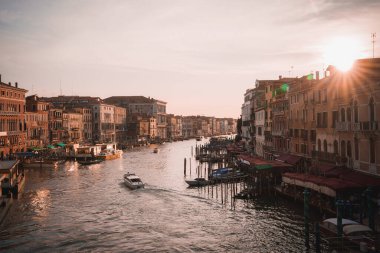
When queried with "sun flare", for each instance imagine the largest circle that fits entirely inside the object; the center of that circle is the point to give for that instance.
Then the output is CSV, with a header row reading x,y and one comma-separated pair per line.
x,y
342,53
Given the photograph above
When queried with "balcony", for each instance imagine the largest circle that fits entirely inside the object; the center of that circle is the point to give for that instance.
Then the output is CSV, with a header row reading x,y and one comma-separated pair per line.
x,y
355,127
342,126
365,126
322,125
329,157
278,113
324,156
278,132
369,126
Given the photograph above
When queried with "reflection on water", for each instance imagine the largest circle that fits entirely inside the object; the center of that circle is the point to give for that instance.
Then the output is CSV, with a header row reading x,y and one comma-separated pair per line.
x,y
88,208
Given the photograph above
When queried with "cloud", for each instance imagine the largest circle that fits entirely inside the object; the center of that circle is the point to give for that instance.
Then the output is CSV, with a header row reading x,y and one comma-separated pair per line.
x,y
341,9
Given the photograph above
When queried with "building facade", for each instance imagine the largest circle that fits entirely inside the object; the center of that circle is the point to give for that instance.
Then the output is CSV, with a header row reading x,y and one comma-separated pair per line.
x,y
12,119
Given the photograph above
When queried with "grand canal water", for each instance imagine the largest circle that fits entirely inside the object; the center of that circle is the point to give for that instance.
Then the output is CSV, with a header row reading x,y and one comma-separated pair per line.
x,y
88,209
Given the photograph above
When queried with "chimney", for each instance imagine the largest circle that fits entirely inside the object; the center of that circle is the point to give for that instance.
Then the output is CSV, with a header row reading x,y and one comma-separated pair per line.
x,y
16,84
279,77
317,75
9,84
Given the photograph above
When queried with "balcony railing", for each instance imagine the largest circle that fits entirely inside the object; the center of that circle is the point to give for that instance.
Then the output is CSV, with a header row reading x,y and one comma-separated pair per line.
x,y
278,132
355,127
365,126
342,126
329,157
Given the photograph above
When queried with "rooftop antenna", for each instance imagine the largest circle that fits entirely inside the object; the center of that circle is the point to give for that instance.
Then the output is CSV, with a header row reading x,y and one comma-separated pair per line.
x,y
373,36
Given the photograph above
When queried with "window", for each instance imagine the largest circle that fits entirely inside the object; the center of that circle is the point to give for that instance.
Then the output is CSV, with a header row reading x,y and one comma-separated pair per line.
x,y
348,114
356,143
372,152
356,113
336,151
324,120
371,110
335,118
343,148
342,115
349,152
325,146
319,145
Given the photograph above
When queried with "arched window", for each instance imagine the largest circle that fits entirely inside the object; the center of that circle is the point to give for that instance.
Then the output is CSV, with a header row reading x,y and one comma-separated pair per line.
x,y
372,152
336,146
325,146
343,148
356,143
342,115
371,110
349,152
319,145
356,112
349,114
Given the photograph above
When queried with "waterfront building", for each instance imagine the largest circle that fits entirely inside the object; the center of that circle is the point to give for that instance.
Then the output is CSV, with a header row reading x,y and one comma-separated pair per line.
x,y
187,127
103,117
347,113
37,129
56,131
246,116
36,122
178,128
144,106
87,114
72,123
120,124
12,118
301,116
174,126
140,128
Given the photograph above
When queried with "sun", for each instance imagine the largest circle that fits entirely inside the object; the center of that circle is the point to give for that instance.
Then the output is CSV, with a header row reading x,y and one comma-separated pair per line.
x,y
341,53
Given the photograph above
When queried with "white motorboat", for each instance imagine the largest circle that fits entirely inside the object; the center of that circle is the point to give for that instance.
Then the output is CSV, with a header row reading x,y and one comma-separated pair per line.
x,y
132,181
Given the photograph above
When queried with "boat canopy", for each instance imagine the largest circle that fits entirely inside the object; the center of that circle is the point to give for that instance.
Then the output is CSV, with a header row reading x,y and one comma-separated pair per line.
x,y
356,228
344,221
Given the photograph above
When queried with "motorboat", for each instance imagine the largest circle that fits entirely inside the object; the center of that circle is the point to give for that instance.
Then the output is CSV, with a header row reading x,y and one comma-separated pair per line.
x,y
132,181
110,154
196,182
330,226
89,162
40,164
354,233
156,150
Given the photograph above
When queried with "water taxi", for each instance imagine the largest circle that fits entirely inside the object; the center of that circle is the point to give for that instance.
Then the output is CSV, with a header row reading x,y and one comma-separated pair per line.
x,y
132,181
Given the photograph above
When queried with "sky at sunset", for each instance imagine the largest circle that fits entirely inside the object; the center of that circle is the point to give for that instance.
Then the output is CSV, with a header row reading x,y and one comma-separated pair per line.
x,y
199,56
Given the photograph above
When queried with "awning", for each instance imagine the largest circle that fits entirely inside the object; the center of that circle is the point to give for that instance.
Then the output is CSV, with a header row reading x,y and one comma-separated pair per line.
x,y
51,146
263,166
61,144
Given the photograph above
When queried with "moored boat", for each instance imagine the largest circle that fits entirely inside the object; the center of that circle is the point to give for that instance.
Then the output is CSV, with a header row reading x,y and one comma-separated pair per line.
x,y
39,164
90,162
132,181
156,150
196,182
110,154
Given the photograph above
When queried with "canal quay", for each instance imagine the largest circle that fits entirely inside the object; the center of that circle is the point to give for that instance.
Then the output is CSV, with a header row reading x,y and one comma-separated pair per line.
x,y
75,208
